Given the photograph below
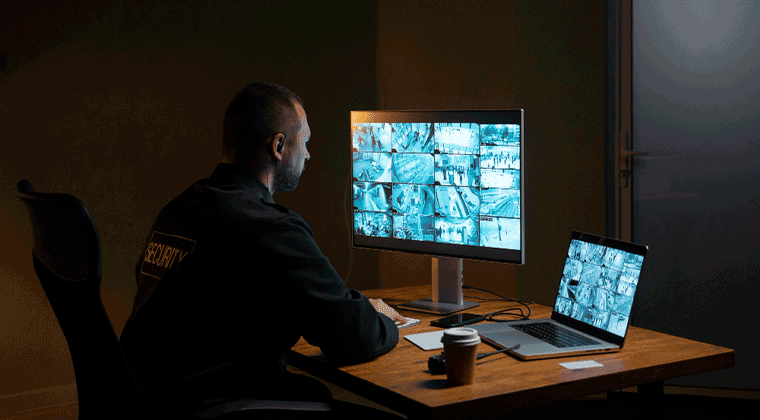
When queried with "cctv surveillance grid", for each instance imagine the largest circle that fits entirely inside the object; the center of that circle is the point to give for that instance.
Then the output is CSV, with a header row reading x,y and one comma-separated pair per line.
x,y
445,183
598,284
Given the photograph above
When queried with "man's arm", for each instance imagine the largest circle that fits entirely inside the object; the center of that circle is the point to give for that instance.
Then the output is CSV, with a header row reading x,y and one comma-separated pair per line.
x,y
340,321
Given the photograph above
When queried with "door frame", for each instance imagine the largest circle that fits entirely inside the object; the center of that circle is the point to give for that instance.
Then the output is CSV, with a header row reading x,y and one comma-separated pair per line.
x,y
619,120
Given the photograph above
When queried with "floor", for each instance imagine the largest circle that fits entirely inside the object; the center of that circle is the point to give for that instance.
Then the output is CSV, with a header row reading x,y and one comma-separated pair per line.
x,y
671,407
676,404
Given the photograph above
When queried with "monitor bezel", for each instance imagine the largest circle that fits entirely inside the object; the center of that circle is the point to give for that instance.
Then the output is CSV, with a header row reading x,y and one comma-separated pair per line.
x,y
439,249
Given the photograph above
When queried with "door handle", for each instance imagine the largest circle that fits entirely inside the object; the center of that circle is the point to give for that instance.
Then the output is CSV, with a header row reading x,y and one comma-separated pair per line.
x,y
627,153
625,169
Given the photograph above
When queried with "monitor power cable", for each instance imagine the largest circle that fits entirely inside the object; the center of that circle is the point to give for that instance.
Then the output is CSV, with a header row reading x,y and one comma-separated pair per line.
x,y
515,311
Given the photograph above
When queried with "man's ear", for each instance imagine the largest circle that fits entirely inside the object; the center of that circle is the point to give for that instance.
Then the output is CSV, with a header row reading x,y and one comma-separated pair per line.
x,y
277,146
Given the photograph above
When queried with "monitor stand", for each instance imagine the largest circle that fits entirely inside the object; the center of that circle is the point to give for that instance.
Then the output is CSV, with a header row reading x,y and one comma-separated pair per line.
x,y
447,289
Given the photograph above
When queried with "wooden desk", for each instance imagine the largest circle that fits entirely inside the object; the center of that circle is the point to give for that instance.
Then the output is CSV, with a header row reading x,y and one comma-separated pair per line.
x,y
401,380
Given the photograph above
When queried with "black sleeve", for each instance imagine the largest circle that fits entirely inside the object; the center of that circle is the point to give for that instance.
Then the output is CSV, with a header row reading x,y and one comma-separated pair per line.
x,y
340,321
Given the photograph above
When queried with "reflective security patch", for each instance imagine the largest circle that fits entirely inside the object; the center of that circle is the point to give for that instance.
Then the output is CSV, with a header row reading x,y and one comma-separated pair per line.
x,y
165,252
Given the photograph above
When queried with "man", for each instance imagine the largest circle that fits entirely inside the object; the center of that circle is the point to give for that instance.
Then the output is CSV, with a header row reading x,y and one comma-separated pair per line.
x,y
229,281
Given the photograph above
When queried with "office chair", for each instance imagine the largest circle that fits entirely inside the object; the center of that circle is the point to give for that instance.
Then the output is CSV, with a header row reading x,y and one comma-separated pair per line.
x,y
66,255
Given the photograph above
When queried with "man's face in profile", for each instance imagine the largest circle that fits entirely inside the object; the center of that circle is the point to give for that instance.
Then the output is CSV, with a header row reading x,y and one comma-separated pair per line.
x,y
294,152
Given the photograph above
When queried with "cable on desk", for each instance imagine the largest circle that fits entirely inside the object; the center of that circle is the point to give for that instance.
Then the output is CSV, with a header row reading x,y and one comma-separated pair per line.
x,y
516,311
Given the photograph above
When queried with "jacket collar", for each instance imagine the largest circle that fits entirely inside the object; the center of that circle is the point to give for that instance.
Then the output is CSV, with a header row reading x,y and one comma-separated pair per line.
x,y
231,174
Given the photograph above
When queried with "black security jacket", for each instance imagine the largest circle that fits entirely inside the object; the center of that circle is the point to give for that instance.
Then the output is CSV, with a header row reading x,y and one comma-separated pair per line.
x,y
228,282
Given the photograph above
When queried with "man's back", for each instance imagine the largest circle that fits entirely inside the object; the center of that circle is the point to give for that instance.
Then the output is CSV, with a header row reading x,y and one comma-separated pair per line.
x,y
228,282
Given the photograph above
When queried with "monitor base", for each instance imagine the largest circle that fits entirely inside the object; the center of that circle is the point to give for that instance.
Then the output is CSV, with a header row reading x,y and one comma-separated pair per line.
x,y
441,308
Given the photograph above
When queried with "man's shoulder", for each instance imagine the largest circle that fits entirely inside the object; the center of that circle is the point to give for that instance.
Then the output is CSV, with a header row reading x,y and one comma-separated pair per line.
x,y
231,208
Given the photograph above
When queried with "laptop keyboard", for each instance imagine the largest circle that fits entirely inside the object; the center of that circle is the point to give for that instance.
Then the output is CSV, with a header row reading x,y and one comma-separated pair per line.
x,y
409,322
554,334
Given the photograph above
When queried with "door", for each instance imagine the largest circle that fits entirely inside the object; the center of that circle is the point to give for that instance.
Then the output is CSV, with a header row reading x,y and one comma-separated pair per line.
x,y
696,193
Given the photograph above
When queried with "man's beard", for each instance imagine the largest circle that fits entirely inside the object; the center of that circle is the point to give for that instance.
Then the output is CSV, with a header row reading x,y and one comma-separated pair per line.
x,y
286,179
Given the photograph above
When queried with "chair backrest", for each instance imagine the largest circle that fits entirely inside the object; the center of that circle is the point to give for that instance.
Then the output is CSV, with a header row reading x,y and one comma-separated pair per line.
x,y
67,259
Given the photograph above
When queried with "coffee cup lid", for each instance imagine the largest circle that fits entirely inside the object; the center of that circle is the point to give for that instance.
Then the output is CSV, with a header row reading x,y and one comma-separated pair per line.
x,y
461,335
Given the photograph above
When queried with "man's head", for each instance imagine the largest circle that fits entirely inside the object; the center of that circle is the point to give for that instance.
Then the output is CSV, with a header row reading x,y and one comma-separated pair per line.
x,y
266,130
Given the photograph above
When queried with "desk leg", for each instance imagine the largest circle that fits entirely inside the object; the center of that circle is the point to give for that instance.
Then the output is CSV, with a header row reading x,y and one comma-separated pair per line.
x,y
652,390
645,392
644,403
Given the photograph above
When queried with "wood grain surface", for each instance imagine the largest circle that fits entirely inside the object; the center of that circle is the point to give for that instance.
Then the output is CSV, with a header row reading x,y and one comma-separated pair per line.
x,y
401,380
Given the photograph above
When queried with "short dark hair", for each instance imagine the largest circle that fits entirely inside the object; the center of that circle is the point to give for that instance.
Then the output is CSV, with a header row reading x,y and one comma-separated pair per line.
x,y
258,111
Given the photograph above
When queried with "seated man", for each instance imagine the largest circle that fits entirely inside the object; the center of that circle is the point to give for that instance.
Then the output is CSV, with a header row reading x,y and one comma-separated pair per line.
x,y
229,281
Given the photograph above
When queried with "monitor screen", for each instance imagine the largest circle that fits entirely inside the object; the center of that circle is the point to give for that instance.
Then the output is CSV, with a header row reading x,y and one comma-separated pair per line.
x,y
442,183
599,280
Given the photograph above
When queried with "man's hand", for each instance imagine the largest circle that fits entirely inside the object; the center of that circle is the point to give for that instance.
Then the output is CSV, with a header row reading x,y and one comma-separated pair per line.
x,y
386,310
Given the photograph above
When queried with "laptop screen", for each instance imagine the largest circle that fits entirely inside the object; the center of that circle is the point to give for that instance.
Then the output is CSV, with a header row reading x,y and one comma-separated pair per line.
x,y
598,282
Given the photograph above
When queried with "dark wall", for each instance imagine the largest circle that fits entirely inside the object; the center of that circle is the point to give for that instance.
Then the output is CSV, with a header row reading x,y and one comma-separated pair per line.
x,y
121,104
546,57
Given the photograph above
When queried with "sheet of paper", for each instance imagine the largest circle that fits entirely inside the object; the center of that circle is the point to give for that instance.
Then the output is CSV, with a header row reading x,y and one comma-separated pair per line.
x,y
426,341
583,364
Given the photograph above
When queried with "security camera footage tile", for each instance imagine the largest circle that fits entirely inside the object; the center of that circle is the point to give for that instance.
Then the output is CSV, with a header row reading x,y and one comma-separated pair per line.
x,y
454,183
597,286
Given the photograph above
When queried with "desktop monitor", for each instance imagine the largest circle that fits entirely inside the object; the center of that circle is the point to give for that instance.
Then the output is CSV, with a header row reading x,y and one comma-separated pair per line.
x,y
449,184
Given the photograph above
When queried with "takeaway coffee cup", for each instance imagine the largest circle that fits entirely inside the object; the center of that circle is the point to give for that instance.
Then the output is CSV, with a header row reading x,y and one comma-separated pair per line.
x,y
460,346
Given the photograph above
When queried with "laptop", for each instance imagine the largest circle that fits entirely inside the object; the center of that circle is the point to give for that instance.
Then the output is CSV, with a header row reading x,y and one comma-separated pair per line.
x,y
592,308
